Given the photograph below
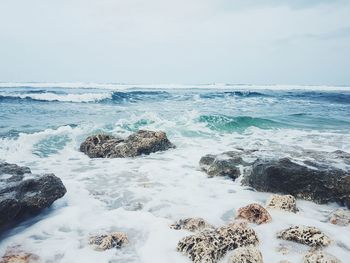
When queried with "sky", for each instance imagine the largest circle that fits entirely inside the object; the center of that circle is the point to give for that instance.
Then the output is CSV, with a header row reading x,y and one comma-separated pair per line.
x,y
184,41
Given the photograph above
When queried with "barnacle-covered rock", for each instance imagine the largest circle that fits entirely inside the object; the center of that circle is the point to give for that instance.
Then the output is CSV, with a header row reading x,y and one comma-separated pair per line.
x,y
108,241
319,256
282,202
209,246
306,235
249,254
340,217
254,213
191,224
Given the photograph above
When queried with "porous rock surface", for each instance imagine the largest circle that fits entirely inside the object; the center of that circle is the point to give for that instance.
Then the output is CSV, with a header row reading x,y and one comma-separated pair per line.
x,y
254,213
210,245
249,254
306,235
108,241
282,202
340,217
23,194
319,256
191,224
141,142
320,184
15,255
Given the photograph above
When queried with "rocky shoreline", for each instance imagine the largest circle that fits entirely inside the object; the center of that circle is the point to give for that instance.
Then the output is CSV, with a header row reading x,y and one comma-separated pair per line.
x,y
23,195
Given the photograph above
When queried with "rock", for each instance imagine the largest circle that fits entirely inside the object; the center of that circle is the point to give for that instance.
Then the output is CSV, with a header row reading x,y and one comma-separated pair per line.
x,y
310,236
191,224
108,241
287,177
282,202
319,256
23,194
254,213
249,254
141,142
14,255
225,164
340,217
211,245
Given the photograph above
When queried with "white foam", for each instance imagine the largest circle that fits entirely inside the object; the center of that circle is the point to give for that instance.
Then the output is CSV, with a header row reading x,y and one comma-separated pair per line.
x,y
85,97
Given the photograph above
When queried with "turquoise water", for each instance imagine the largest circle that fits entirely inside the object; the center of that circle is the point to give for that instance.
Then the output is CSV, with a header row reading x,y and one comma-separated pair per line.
x,y
42,126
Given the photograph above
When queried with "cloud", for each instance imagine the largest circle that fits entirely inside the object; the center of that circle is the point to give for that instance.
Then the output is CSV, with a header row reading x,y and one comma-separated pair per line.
x,y
184,41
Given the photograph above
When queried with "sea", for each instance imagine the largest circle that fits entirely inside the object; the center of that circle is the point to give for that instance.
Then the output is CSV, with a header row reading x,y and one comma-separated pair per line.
x,y
43,124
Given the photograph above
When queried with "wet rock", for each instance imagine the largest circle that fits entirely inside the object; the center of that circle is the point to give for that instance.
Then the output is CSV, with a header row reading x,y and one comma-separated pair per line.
x,y
254,213
14,255
108,241
225,164
310,236
319,256
23,194
340,217
209,246
249,254
141,142
284,176
282,202
191,224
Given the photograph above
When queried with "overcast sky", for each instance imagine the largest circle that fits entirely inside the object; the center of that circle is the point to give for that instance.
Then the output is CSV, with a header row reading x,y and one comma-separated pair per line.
x,y
180,41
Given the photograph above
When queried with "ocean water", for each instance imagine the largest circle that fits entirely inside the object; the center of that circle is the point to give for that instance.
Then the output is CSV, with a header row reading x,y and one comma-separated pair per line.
x,y
42,126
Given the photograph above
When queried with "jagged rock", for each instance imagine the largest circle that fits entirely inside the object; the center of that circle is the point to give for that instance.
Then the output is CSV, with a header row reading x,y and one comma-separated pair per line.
x,y
319,256
108,241
310,236
249,254
191,224
340,217
254,213
211,245
284,176
225,164
282,202
14,255
141,142
23,194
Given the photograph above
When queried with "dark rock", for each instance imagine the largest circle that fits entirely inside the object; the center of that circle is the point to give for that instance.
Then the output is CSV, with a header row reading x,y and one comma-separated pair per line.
x,y
287,177
23,194
141,142
225,164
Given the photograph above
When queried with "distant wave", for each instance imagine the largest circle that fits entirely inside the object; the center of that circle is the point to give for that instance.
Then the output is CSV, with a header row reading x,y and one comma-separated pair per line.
x,y
334,97
236,123
223,94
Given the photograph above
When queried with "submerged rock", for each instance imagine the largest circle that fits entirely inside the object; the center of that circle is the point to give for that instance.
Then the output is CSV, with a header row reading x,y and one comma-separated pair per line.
x,y
210,246
108,241
340,217
287,177
191,224
249,254
225,164
254,213
23,194
282,202
319,256
15,255
310,236
141,142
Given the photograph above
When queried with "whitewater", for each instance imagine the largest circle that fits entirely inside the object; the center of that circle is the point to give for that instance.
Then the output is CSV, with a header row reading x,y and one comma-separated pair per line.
x,y
43,124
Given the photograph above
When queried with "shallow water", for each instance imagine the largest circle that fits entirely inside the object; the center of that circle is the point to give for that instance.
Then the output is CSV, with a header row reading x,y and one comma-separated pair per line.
x,y
42,126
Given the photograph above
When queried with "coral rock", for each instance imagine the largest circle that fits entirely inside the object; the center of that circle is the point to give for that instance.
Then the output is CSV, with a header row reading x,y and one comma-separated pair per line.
x,y
310,236
254,213
210,246
319,256
141,142
282,202
14,255
191,224
340,217
249,254
108,241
